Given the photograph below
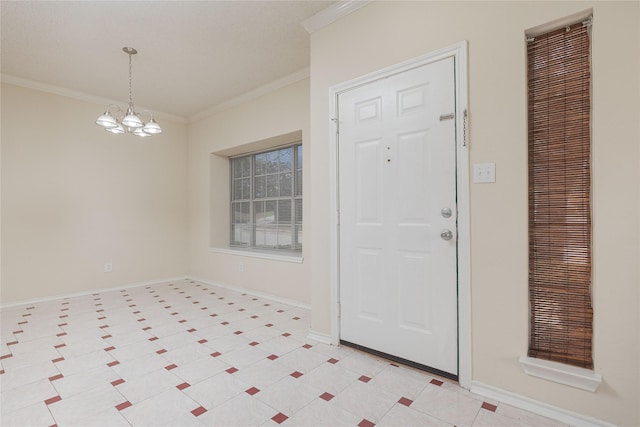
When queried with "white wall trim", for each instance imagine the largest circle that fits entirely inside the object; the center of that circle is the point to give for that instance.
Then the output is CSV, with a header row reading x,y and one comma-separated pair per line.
x,y
254,293
254,94
584,379
84,97
258,254
535,406
320,337
331,14
459,52
89,292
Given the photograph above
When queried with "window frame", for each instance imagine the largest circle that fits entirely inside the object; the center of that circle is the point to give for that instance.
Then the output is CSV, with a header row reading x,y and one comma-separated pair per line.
x,y
294,227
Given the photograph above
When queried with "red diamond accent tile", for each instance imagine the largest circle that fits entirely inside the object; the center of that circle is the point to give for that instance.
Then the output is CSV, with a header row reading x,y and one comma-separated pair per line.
x,y
12,343
19,332
62,317
109,348
100,311
216,354
59,346
230,303
104,326
198,411
61,334
280,311
272,357
279,418
436,382
52,400
286,334
296,374
59,359
296,318
202,341
252,391
1,371
56,377
191,330
6,356
123,405
489,407
213,315
253,344
267,305
146,328
237,332
333,361
105,337
61,324
365,423
170,367
117,382
183,386
268,325
307,346
136,312
22,323
181,321
364,379
142,320
404,401
326,396
153,338
231,370
224,323
161,351
112,364
242,309
101,318
173,314
254,317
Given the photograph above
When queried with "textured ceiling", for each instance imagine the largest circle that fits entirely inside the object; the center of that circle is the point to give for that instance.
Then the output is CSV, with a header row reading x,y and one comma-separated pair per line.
x,y
193,55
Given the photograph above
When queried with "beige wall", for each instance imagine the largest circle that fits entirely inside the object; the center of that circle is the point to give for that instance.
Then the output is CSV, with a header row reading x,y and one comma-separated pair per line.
x,y
234,131
384,33
75,197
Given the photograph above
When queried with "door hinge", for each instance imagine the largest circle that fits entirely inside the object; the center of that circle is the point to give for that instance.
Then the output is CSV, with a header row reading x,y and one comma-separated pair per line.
x,y
337,122
447,116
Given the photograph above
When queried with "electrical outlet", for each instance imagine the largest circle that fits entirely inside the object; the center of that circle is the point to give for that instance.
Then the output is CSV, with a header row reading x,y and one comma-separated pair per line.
x,y
484,173
108,267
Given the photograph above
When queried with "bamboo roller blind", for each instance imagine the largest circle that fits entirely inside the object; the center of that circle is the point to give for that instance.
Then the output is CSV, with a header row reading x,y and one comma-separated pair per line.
x,y
559,142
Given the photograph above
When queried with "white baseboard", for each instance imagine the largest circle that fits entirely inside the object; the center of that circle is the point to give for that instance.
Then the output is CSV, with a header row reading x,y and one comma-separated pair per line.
x,y
254,293
88,292
535,406
320,337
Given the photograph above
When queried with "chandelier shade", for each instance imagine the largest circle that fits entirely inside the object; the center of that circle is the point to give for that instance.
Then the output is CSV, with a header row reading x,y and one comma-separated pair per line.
x,y
116,120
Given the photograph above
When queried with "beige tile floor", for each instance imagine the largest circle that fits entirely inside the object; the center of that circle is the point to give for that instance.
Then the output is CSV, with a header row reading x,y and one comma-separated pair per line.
x,y
188,354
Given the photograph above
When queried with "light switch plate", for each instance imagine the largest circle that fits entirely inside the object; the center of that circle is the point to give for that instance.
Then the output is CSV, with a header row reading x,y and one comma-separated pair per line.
x,y
484,173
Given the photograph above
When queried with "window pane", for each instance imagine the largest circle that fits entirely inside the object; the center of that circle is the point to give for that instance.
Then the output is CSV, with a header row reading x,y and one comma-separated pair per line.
x,y
236,193
299,157
260,164
298,211
286,159
284,211
259,187
246,188
298,183
285,184
272,161
272,186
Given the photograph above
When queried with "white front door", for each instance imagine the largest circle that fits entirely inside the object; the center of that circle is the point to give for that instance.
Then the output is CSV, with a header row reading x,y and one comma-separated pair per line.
x,y
397,200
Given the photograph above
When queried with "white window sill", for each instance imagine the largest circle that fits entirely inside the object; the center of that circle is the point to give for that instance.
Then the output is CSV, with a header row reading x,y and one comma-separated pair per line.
x,y
254,253
584,379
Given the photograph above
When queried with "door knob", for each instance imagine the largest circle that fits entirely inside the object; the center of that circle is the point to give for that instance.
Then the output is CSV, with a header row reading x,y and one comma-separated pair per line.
x,y
446,234
446,212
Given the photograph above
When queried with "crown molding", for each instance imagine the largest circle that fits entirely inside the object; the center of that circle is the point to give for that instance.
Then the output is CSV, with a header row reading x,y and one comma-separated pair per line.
x,y
81,96
254,94
332,13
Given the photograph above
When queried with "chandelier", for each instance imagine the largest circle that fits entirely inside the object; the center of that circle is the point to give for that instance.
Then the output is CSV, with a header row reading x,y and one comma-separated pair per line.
x,y
115,120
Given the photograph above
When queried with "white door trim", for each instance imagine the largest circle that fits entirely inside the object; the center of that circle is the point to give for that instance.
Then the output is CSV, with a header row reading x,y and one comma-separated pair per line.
x,y
459,52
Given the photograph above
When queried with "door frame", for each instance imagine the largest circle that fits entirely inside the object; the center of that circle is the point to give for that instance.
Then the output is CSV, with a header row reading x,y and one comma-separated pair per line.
x,y
457,51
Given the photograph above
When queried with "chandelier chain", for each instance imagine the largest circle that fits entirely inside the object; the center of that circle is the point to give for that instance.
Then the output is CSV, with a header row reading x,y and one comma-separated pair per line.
x,y
130,79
